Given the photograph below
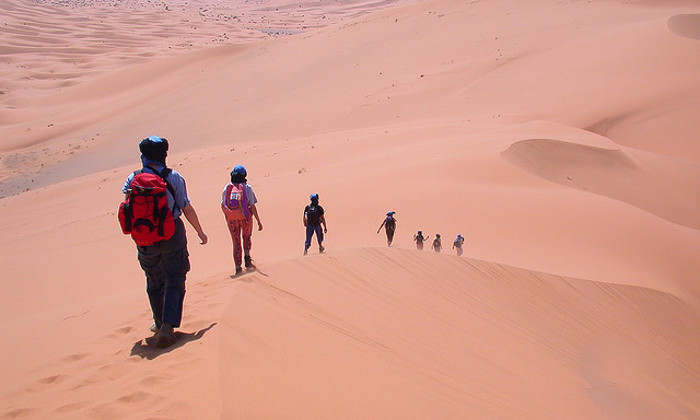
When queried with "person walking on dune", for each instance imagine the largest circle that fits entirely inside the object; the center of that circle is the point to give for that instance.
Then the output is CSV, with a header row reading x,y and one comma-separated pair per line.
x,y
437,243
389,224
419,239
162,251
238,203
457,244
314,218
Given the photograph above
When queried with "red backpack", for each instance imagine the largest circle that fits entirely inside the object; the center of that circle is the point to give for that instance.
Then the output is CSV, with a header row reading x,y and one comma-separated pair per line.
x,y
145,213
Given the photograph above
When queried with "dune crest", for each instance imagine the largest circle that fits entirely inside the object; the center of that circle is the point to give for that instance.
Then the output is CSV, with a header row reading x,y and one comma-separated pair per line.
x,y
372,333
663,186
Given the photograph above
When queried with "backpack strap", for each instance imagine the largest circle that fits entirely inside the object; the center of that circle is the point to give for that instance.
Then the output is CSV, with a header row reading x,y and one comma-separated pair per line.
x,y
164,174
227,196
128,213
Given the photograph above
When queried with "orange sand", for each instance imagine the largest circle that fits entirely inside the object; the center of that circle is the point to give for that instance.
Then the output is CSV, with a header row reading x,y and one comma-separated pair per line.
x,y
561,138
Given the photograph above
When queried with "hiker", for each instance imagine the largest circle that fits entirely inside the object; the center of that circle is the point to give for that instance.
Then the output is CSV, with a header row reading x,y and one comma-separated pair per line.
x,y
457,244
389,224
419,239
238,205
165,259
314,217
437,243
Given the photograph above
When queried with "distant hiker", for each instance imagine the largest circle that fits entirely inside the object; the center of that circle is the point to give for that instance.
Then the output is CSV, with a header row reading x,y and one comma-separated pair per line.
x,y
314,217
238,205
419,239
160,235
457,244
389,224
437,243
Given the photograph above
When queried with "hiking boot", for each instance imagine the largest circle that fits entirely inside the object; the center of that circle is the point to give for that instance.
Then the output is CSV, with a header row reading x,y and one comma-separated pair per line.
x,y
165,337
239,270
155,328
248,262
321,249
306,251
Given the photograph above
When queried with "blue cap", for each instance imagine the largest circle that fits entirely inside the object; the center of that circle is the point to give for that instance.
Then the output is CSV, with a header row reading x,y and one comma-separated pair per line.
x,y
239,170
313,197
154,148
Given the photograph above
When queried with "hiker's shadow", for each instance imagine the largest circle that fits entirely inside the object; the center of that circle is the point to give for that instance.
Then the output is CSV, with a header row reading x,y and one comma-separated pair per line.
x,y
146,348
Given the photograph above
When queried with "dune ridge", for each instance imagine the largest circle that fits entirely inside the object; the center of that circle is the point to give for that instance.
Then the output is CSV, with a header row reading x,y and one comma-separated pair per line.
x,y
422,335
376,332
663,186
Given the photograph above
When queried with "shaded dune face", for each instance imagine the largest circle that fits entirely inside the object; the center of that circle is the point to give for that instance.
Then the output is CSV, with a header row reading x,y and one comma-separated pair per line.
x,y
653,183
686,25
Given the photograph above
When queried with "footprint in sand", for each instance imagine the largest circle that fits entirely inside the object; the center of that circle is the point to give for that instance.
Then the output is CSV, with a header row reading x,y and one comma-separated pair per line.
x,y
75,357
72,407
42,383
153,380
17,413
120,332
50,380
136,397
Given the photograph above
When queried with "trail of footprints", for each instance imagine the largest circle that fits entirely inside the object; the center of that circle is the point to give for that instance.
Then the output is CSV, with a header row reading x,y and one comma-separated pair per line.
x,y
89,373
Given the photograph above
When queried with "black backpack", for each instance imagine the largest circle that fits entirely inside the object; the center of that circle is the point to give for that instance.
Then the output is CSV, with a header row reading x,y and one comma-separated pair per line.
x,y
313,215
390,223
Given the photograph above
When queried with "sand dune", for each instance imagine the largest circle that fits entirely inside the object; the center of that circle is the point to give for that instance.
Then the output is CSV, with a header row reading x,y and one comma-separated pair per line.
x,y
583,71
664,186
372,333
379,334
559,138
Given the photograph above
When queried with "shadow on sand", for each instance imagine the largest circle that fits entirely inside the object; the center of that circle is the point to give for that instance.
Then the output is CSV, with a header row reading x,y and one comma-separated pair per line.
x,y
146,348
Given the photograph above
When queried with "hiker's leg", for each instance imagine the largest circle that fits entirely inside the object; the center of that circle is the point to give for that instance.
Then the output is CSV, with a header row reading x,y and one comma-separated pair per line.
x,y
319,235
247,231
234,226
389,236
149,259
309,235
176,264
319,238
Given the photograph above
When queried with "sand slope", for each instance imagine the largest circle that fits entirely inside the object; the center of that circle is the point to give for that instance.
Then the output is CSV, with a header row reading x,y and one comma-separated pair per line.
x,y
557,137
372,333
378,334
582,68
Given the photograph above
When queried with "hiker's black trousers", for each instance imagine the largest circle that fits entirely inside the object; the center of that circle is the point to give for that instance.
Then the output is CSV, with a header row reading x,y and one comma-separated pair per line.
x,y
166,264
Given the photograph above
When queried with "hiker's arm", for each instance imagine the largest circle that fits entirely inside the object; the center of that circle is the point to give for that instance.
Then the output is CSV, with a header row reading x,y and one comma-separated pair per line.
x,y
380,226
254,212
323,222
191,216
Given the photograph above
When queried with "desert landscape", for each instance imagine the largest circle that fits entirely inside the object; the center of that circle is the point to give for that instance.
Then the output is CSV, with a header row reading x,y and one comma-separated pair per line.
x,y
560,138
